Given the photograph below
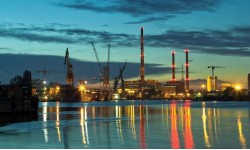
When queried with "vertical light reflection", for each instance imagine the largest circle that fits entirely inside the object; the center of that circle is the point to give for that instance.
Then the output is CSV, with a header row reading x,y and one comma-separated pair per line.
x,y
58,120
210,124
206,137
132,120
84,125
188,136
167,116
147,118
45,116
241,136
142,129
45,110
174,129
215,122
118,122
94,116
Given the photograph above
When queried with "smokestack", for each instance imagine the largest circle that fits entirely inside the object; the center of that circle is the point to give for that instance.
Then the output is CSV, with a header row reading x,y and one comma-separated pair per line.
x,y
142,57
187,71
173,66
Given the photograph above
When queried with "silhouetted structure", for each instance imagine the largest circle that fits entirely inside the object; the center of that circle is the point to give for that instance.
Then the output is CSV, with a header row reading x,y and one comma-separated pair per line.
x,y
249,85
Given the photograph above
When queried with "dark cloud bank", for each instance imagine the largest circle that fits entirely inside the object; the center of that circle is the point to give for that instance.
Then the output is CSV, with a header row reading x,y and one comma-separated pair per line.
x,y
16,64
149,10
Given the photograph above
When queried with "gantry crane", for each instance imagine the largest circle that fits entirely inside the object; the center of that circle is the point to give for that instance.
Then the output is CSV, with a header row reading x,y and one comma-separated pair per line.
x,y
69,74
213,79
116,81
118,78
104,71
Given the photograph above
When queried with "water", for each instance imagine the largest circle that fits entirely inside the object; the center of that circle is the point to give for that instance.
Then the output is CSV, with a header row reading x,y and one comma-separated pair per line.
x,y
132,124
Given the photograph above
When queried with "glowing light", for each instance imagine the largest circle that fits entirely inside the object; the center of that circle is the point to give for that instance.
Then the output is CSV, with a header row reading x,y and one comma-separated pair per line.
x,y
186,50
237,87
81,88
57,88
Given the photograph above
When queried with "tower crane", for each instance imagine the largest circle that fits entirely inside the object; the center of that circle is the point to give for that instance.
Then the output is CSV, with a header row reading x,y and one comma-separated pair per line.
x,y
44,72
104,71
69,74
213,67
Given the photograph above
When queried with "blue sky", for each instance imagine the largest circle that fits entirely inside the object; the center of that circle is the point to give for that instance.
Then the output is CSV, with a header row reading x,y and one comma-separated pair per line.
x,y
217,32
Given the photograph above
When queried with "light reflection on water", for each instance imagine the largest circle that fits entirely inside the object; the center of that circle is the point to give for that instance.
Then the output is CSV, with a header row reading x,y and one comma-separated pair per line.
x,y
133,124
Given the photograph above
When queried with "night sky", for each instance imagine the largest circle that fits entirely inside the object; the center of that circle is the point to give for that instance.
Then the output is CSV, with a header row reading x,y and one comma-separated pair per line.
x,y
34,35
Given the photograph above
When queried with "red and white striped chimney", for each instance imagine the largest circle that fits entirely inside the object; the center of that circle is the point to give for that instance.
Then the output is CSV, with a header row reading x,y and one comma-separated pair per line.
x,y
187,70
173,66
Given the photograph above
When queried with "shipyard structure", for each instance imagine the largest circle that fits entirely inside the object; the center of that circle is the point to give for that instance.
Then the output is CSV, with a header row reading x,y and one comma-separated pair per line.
x,y
153,89
122,89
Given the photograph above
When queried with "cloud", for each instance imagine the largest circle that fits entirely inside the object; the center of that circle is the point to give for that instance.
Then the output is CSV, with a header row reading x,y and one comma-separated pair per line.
x,y
150,19
27,36
4,48
15,64
142,8
63,34
139,8
233,41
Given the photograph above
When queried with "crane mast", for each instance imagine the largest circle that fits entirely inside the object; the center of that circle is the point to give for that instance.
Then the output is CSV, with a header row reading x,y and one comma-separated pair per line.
x,y
97,59
214,84
104,71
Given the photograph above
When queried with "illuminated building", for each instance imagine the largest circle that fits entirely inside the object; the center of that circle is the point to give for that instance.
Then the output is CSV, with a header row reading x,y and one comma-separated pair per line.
x,y
132,87
209,84
179,86
215,83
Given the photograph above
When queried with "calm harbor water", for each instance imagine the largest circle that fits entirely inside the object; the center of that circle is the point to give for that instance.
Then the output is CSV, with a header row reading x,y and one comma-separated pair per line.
x,y
132,124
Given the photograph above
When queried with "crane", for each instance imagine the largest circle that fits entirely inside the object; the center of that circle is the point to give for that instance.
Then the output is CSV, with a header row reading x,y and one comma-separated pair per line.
x,y
118,78
69,74
213,67
44,72
104,71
